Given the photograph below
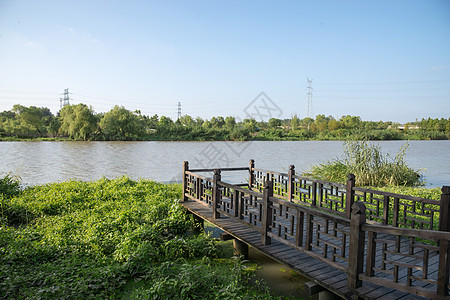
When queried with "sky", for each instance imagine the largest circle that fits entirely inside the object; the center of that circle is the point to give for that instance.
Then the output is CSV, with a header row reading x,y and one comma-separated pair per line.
x,y
380,60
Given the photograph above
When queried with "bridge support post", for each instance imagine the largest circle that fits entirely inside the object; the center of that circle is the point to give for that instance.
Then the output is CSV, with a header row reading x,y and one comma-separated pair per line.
x,y
184,181
199,223
216,194
356,249
350,199
266,212
240,248
444,245
291,182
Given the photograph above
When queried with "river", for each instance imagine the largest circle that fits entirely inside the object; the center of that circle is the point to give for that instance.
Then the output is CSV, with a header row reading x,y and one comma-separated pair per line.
x,y
45,162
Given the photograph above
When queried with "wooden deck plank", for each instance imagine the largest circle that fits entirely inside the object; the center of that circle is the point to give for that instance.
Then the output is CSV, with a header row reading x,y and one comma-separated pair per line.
x,y
312,268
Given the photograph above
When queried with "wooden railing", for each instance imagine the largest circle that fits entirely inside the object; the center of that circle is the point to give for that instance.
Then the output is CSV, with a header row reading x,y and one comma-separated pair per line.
x,y
394,240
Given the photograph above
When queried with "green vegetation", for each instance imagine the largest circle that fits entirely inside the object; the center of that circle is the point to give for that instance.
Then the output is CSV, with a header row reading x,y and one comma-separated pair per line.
x,y
80,122
110,239
370,166
421,192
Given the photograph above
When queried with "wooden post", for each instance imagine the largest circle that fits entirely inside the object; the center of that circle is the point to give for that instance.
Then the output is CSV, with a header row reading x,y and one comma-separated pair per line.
x,y
385,210
444,210
356,249
216,193
291,182
395,212
350,199
314,194
240,248
371,253
266,212
198,188
198,223
184,182
241,206
236,196
309,231
444,245
251,174
299,229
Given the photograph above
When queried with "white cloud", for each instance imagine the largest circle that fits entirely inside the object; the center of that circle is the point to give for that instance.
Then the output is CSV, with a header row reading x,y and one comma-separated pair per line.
x,y
437,68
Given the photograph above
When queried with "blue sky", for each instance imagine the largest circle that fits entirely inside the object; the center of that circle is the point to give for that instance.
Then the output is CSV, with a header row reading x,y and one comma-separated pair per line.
x,y
381,60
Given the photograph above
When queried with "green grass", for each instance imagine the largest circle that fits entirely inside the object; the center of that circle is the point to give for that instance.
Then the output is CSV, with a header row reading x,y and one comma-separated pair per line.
x,y
93,240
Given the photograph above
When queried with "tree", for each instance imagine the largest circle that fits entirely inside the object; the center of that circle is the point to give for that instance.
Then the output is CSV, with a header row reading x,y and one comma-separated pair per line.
x,y
274,123
295,122
306,122
217,122
333,125
78,121
321,122
350,122
206,124
199,122
53,127
230,123
165,123
153,121
122,124
187,121
35,118
250,124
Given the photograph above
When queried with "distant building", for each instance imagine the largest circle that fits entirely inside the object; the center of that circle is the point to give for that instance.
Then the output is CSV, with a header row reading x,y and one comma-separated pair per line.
x,y
403,127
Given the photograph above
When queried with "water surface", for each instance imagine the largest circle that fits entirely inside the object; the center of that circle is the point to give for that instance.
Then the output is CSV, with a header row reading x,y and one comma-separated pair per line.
x,y
45,162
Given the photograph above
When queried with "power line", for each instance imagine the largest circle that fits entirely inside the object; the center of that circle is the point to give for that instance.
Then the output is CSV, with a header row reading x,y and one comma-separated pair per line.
x,y
179,110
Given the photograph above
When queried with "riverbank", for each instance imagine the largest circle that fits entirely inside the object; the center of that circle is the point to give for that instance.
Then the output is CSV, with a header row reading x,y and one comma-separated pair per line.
x,y
386,135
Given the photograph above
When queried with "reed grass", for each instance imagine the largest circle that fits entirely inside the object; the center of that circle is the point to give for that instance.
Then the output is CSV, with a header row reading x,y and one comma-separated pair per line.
x,y
370,166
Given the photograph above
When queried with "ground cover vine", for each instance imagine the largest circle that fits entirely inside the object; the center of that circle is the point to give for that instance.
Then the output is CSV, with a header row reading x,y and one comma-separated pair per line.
x,y
88,240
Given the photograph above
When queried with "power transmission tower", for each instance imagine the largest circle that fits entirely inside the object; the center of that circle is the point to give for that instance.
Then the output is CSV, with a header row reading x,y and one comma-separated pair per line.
x,y
64,101
309,93
179,110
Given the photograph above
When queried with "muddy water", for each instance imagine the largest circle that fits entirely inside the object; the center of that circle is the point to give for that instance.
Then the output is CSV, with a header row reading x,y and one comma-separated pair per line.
x,y
45,162
280,279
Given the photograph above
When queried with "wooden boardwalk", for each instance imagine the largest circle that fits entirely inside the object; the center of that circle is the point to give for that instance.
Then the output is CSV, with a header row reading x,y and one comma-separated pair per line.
x,y
307,225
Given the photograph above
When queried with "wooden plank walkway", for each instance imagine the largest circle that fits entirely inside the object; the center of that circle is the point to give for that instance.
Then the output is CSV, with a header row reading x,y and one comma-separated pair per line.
x,y
323,274
352,241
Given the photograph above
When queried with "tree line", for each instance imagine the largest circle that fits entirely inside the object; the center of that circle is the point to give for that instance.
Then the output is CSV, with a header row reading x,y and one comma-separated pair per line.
x,y
80,122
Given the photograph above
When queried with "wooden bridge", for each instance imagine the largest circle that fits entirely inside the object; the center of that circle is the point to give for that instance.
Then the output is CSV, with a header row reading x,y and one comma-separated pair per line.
x,y
355,242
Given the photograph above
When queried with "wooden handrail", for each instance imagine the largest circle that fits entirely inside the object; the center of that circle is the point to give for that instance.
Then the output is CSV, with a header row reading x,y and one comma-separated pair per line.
x,y
407,232
198,176
336,184
237,188
394,195
221,169
293,224
312,211
271,172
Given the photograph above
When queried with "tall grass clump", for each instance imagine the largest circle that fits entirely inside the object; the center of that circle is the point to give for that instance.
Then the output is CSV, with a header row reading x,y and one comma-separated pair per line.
x,y
370,166
9,186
